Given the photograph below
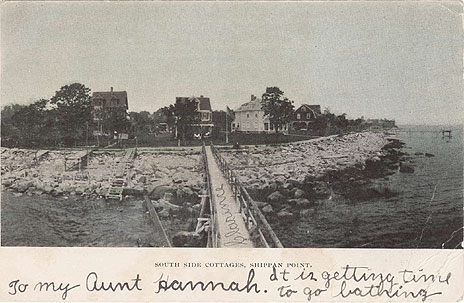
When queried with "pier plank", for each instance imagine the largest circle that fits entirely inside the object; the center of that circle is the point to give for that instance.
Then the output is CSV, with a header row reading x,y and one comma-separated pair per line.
x,y
230,224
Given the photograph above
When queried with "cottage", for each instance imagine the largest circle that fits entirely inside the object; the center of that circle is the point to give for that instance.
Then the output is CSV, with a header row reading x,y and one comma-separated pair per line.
x,y
104,102
249,117
304,116
205,125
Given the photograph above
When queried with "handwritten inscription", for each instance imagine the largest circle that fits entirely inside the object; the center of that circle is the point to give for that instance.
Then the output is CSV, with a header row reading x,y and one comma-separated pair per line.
x,y
296,281
233,232
163,284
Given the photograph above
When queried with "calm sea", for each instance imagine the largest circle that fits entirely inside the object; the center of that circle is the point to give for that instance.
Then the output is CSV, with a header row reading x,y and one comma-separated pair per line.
x,y
427,213
47,221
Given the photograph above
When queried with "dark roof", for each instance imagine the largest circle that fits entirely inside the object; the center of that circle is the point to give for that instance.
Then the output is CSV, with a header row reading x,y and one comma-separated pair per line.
x,y
314,108
204,102
112,95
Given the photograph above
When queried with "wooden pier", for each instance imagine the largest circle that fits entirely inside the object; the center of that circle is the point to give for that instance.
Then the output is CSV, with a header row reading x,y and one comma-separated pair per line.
x,y
233,219
120,178
445,133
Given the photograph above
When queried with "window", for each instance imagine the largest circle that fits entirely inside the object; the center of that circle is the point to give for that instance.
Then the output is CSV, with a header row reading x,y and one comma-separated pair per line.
x,y
248,115
205,116
266,126
298,116
272,127
256,115
308,116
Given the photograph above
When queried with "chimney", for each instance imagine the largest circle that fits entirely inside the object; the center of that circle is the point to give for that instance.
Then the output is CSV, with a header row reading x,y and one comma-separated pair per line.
x,y
111,89
253,97
201,96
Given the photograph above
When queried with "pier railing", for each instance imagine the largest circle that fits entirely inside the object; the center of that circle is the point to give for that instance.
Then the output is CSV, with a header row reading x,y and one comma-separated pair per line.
x,y
256,222
206,200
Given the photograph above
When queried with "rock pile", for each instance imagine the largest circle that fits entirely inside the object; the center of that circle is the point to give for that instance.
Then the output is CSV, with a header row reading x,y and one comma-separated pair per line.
x,y
291,178
171,177
265,166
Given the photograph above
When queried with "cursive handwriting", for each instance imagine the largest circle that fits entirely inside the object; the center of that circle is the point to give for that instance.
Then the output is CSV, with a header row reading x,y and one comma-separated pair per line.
x,y
230,220
93,284
163,284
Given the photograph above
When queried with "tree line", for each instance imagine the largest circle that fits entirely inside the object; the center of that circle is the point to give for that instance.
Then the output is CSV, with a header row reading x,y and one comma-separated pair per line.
x,y
66,119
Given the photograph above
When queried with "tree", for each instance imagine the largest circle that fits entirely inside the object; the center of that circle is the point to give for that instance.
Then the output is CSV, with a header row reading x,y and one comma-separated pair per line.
x,y
73,112
141,122
34,123
10,133
277,107
184,113
168,112
113,120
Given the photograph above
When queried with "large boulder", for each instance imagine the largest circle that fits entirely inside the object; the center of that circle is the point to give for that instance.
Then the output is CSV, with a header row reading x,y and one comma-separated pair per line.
x,y
23,186
275,197
302,202
267,209
47,189
187,239
306,212
8,182
284,215
159,191
186,194
261,204
298,194
168,196
321,190
181,176
165,205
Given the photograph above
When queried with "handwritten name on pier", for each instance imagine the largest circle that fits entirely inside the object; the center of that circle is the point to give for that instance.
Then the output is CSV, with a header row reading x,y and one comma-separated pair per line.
x,y
234,233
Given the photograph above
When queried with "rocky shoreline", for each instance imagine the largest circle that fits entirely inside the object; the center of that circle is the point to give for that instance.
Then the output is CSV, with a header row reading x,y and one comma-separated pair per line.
x,y
172,179
288,181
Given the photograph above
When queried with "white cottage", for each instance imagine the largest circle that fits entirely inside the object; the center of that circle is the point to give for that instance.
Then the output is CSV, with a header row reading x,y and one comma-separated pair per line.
x,y
249,117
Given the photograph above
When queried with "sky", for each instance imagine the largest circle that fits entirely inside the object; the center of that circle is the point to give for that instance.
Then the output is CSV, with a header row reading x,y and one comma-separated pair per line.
x,y
394,60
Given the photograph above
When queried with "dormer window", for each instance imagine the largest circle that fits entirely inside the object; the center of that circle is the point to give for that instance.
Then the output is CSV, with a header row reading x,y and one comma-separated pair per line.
x,y
308,116
298,116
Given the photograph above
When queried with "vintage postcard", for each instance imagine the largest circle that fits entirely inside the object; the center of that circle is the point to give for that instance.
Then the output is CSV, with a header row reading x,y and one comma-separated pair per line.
x,y
232,151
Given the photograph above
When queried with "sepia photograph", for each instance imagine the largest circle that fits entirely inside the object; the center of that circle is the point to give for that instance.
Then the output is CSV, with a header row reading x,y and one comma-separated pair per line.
x,y
232,125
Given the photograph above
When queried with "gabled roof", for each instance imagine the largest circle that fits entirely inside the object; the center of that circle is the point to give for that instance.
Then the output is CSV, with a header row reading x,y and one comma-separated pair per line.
x,y
111,95
203,102
254,104
306,107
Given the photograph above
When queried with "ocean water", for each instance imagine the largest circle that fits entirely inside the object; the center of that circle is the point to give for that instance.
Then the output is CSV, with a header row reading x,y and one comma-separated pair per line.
x,y
426,213
48,221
